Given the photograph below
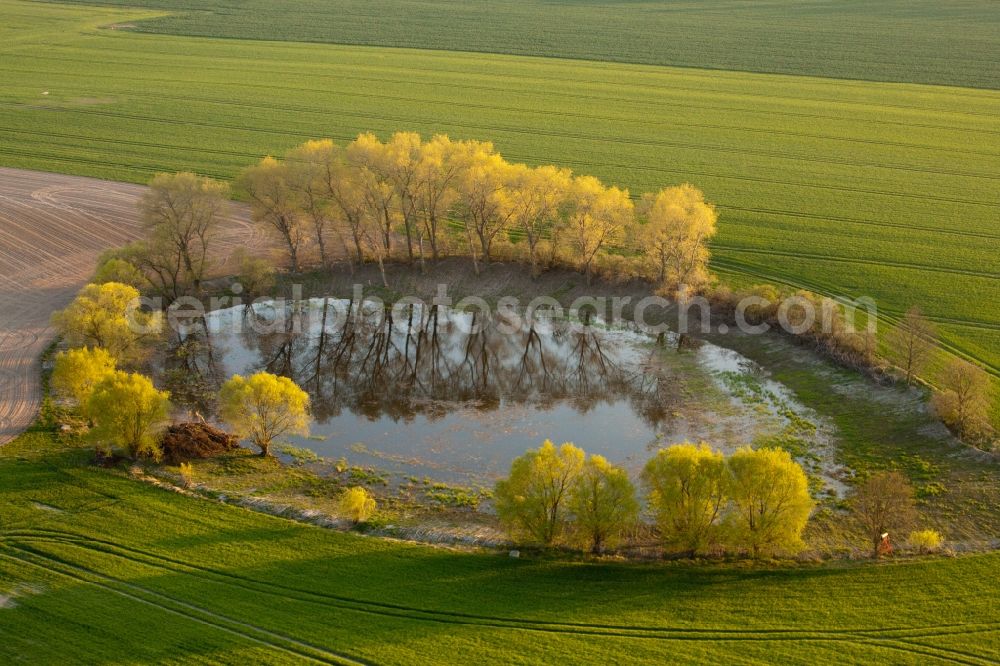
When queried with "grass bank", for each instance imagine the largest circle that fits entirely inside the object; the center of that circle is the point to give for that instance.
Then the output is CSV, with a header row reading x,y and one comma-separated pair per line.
x,y
94,563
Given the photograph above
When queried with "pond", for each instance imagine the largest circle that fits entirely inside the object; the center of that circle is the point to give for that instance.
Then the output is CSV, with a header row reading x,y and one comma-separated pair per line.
x,y
454,396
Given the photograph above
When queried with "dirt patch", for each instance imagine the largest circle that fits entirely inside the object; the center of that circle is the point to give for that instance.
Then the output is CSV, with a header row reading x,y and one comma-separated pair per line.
x,y
42,506
8,598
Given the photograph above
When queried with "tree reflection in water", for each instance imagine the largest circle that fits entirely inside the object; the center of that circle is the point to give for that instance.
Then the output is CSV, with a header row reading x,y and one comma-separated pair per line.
x,y
423,360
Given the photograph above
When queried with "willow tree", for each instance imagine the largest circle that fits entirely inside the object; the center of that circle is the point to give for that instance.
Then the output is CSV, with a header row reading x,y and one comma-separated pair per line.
x,y
602,503
686,487
273,203
532,501
679,224
308,169
263,407
76,372
367,157
342,189
534,198
400,163
437,174
181,213
128,411
107,316
481,188
597,218
771,502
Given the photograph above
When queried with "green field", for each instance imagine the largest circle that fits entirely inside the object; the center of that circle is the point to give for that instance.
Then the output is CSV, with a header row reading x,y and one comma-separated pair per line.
x,y
96,567
844,187
915,41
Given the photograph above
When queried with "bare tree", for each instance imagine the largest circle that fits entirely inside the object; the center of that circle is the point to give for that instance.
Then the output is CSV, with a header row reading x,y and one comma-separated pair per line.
x,y
181,213
912,342
883,504
272,202
964,400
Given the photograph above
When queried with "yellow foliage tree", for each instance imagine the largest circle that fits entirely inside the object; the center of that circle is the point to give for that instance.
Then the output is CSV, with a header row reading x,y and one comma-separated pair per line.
x,y
107,316
128,411
679,224
366,156
481,186
771,502
263,407
437,174
310,169
602,503
687,490
534,198
76,372
531,502
357,504
598,217
274,204
401,164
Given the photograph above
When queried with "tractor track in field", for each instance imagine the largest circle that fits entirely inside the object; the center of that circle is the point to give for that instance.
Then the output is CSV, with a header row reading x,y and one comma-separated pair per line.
x,y
521,78
666,124
52,229
990,275
602,99
905,639
299,108
536,132
184,609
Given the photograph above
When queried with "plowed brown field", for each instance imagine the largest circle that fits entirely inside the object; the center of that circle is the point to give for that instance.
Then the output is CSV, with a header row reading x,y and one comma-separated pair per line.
x,y
52,229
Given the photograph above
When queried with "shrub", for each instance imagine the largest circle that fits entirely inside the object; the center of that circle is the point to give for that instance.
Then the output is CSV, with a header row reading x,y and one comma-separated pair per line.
x,y
357,504
925,541
187,474
77,371
115,269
